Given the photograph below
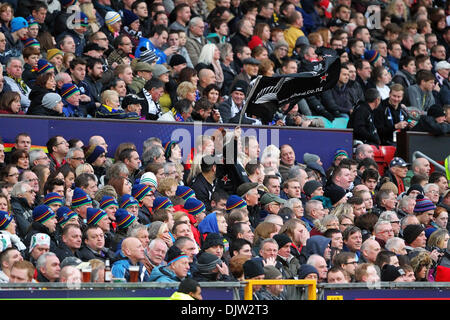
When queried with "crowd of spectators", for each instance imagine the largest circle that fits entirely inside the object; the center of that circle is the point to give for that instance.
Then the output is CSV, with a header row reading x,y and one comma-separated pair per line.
x,y
192,60
263,213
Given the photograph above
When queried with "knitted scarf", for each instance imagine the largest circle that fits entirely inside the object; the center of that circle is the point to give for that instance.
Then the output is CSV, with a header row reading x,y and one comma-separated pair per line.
x,y
20,82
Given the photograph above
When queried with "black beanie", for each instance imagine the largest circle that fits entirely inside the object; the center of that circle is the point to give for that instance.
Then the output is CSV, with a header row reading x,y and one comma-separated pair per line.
x,y
416,187
281,239
311,186
411,232
176,60
253,268
390,272
206,262
211,240
334,193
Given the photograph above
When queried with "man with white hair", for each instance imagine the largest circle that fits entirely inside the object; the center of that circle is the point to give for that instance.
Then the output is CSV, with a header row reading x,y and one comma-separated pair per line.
x,y
38,156
383,231
313,211
431,191
195,40
406,206
392,217
369,250
320,264
396,245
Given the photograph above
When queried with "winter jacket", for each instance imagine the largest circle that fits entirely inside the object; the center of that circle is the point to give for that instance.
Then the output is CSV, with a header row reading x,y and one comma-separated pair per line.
x,y
418,98
361,120
385,118
120,269
37,227
163,274
23,214
429,124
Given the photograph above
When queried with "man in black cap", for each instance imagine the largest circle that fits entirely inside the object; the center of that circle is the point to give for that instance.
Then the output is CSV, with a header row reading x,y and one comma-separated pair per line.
x,y
254,270
233,105
93,50
249,192
249,71
132,103
414,236
392,273
209,267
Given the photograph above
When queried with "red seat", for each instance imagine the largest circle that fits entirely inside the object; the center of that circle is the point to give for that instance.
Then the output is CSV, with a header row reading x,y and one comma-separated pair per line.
x,y
383,156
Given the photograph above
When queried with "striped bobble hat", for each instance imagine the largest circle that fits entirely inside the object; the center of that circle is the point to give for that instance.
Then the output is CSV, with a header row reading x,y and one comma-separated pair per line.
x,y
52,198
68,89
184,192
168,148
423,204
139,191
94,215
235,202
340,152
44,66
112,17
174,253
5,220
80,198
64,214
194,206
31,42
108,201
124,218
149,177
371,55
81,19
147,55
127,200
162,203
31,21
42,213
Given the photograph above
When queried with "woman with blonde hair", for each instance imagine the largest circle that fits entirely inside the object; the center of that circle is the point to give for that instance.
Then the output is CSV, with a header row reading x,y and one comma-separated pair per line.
x,y
187,90
398,11
84,168
89,10
438,239
159,229
210,58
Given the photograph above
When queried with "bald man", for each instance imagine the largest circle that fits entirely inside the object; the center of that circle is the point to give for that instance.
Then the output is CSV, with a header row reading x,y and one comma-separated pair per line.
x,y
133,250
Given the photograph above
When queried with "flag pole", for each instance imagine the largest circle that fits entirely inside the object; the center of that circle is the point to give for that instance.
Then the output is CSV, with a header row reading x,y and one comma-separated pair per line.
x,y
248,98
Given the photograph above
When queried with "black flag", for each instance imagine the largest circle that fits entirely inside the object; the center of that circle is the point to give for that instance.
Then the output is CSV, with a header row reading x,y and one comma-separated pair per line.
x,y
269,93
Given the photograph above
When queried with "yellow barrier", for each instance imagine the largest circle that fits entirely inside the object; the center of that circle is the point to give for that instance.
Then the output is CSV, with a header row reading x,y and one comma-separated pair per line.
x,y
312,285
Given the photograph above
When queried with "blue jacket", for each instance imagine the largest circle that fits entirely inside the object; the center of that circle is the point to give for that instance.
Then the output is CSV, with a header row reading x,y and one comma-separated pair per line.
x,y
317,245
163,274
70,110
144,42
120,269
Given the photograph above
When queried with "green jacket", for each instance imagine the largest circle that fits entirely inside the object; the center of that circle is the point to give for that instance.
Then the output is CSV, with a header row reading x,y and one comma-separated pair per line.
x,y
137,84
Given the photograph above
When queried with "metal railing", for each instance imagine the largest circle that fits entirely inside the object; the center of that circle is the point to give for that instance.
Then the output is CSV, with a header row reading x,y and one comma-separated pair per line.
x,y
418,154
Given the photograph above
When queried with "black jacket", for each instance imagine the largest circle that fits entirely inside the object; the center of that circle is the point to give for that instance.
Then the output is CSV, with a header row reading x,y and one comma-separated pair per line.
x,y
37,227
23,215
361,121
203,190
86,254
385,118
429,124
